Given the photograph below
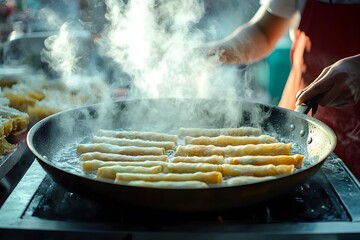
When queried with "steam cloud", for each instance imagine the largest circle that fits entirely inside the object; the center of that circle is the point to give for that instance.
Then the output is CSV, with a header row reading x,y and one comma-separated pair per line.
x,y
152,46
155,43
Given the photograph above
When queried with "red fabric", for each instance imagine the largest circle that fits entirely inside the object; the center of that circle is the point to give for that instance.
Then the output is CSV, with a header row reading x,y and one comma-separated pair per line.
x,y
327,33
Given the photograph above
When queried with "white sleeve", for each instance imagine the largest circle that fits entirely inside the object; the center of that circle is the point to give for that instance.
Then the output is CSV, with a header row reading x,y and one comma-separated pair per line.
x,y
281,8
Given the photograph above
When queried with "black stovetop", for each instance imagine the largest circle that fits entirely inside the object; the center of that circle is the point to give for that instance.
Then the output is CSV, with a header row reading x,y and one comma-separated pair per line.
x,y
327,205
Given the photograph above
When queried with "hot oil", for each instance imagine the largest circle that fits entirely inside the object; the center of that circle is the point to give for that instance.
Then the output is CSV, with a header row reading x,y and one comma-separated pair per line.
x,y
68,159
299,148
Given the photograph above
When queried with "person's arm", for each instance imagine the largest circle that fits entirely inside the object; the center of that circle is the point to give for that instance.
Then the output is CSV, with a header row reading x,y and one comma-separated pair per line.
x,y
253,40
337,86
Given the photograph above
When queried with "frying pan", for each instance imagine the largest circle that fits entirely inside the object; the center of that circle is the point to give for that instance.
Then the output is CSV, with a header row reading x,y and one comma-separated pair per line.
x,y
53,141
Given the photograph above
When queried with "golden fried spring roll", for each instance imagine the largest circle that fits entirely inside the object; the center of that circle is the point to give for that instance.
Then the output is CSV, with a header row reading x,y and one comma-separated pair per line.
x,y
110,171
6,126
119,157
134,142
167,184
154,136
92,165
213,132
207,177
295,159
224,141
234,151
5,146
125,150
257,171
191,167
11,121
242,180
284,169
38,112
212,159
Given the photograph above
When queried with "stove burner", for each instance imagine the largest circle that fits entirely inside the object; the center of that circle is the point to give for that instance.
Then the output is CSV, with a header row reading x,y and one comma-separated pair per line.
x,y
310,202
325,207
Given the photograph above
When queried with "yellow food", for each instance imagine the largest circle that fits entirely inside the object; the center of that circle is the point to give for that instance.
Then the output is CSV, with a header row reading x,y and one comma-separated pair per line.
x,y
224,141
125,150
213,132
295,159
270,149
138,158
206,177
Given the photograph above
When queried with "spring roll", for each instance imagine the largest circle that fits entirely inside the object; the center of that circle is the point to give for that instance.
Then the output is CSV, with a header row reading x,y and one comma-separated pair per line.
x,y
12,121
224,141
242,180
207,177
153,136
212,159
6,127
257,171
111,171
295,159
213,132
191,167
5,146
123,158
92,165
125,150
167,184
234,151
284,169
134,142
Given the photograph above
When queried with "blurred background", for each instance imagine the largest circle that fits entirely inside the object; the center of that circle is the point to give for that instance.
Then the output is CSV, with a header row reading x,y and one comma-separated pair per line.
x,y
26,24
269,74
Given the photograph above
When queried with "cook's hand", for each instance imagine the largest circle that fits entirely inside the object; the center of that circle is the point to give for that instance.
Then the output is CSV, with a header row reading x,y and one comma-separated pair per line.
x,y
337,86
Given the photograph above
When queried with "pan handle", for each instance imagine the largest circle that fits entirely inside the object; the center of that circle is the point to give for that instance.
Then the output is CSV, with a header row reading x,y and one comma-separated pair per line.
x,y
304,108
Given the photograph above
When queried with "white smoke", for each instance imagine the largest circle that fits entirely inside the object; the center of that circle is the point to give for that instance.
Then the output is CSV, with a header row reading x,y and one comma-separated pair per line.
x,y
153,44
65,55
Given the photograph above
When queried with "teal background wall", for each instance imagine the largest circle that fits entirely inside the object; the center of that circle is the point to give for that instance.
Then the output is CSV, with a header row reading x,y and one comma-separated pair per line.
x,y
270,74
279,67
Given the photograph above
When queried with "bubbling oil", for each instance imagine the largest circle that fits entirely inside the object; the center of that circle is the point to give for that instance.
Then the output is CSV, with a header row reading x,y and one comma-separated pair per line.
x,y
68,159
